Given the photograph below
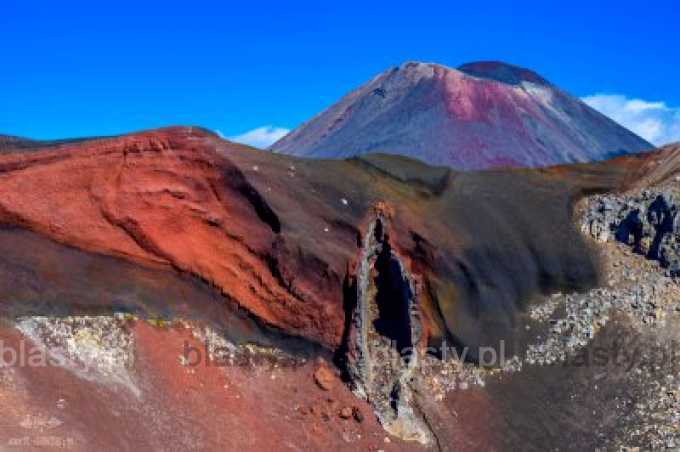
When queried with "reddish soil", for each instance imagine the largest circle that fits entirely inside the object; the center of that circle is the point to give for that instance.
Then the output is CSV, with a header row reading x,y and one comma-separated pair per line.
x,y
202,407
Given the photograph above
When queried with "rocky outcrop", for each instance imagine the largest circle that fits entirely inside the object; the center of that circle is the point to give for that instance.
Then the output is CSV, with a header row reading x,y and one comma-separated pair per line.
x,y
385,340
648,221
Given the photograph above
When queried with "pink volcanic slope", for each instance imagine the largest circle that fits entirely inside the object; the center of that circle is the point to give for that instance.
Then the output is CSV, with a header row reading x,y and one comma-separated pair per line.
x,y
481,115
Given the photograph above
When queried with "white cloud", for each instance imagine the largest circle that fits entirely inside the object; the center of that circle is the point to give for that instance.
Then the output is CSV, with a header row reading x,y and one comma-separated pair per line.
x,y
656,122
261,137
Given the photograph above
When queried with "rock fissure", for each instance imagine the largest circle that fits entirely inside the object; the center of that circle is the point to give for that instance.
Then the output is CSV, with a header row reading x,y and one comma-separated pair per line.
x,y
384,340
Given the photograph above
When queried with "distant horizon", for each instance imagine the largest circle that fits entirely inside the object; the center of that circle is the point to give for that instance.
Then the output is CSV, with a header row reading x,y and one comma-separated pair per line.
x,y
73,70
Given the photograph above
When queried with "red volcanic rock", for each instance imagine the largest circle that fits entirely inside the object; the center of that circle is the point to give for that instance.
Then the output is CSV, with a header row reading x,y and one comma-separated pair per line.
x,y
481,115
324,377
346,412
164,198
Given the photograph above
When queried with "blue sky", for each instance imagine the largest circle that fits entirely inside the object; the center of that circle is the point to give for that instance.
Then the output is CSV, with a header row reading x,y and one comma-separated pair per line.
x,y
81,69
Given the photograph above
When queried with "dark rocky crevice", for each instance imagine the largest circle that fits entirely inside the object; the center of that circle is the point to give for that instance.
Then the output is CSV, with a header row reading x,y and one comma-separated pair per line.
x,y
381,346
661,216
393,299
630,230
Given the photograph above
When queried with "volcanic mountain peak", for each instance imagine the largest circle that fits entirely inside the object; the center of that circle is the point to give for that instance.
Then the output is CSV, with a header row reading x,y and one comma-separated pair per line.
x,y
489,70
502,72
482,115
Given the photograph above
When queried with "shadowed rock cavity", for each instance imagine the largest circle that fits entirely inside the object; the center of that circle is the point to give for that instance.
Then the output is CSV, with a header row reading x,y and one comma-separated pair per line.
x,y
384,337
393,298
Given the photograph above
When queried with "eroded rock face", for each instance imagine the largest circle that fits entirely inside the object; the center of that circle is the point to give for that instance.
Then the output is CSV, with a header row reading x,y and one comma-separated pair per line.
x,y
385,340
167,200
648,221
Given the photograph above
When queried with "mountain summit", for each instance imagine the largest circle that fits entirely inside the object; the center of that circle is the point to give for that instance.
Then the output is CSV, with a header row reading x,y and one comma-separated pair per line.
x,y
502,72
481,115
